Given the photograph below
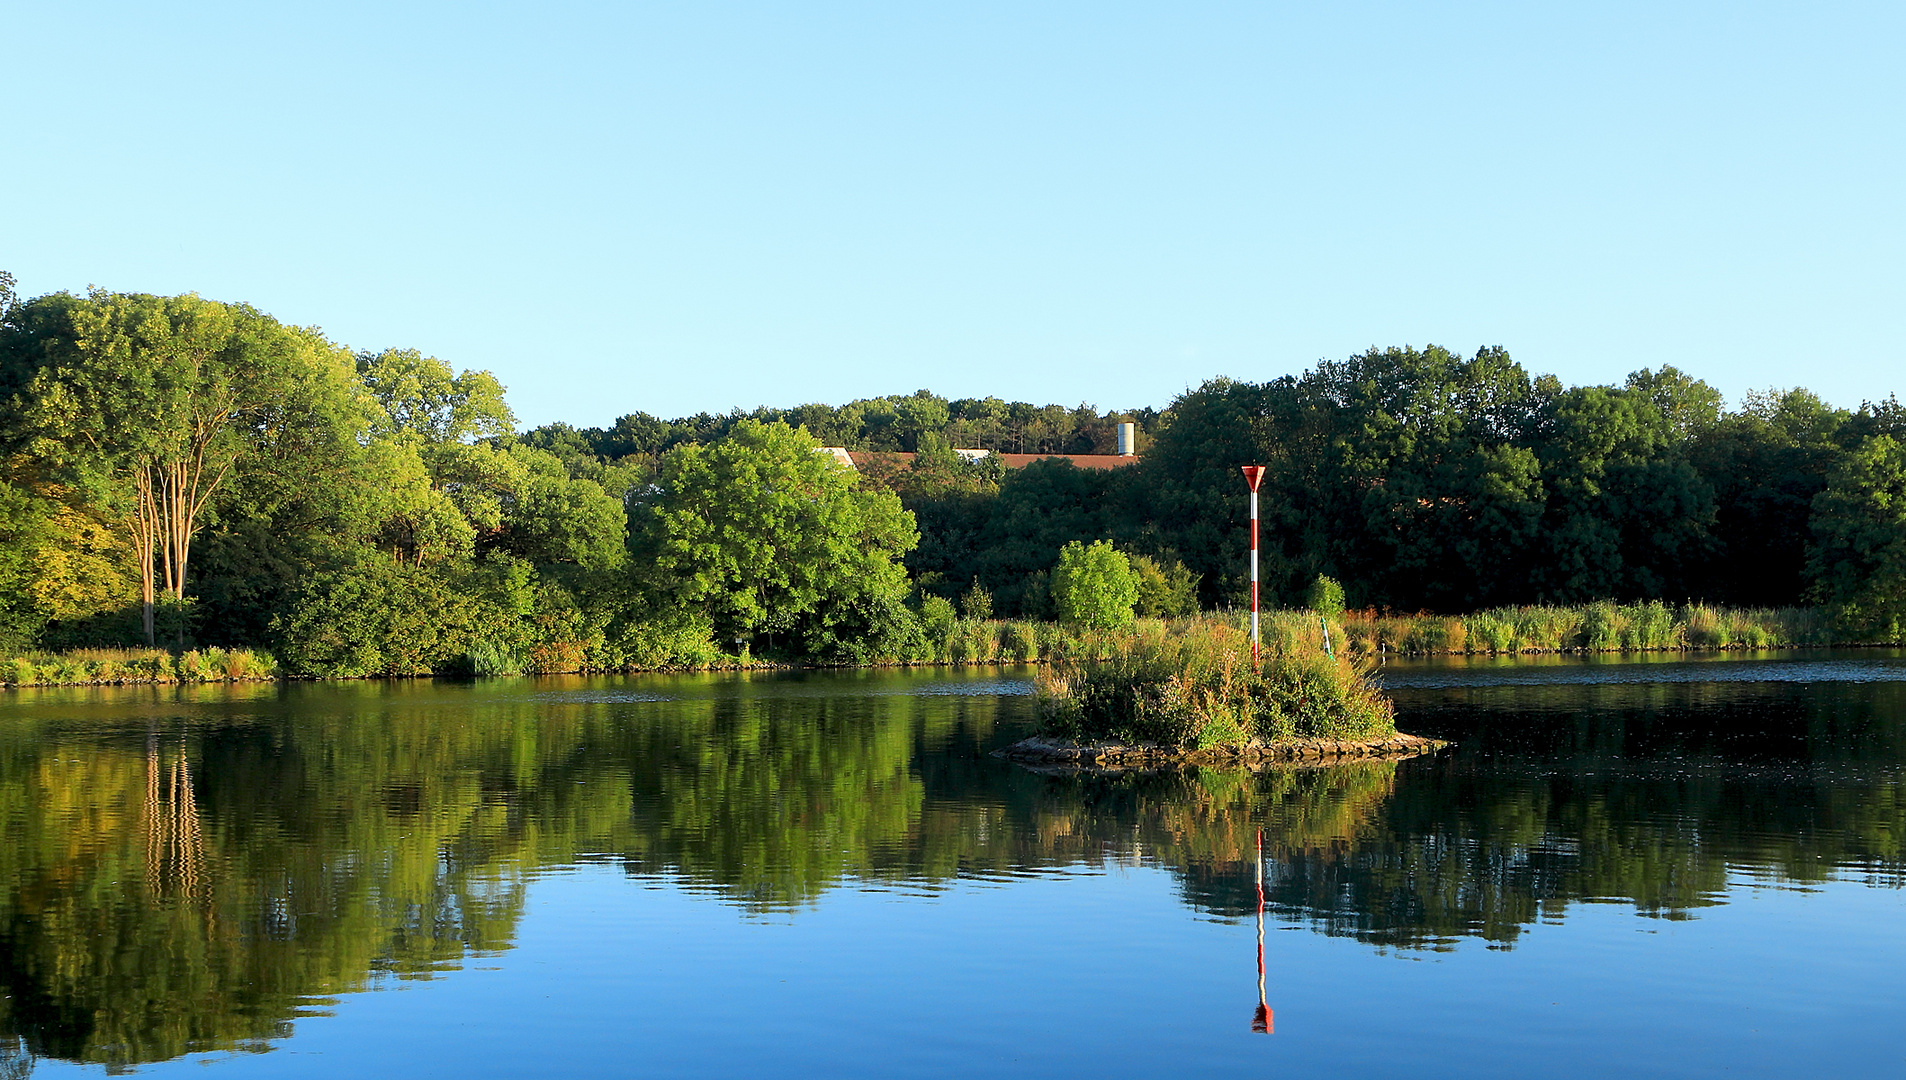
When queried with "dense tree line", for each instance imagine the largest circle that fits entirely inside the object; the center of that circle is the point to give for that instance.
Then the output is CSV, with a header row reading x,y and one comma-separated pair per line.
x,y
896,424
175,469
1426,481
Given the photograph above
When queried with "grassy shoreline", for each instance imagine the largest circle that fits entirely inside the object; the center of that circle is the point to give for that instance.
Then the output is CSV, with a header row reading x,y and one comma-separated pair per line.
x,y
137,667
965,641
1531,630
1652,626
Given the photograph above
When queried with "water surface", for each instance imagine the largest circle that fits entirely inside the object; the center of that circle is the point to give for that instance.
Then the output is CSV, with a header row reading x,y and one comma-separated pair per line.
x,y
1660,866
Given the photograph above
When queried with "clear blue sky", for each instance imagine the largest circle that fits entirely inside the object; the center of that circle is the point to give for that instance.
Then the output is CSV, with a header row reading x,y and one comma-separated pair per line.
x,y
702,206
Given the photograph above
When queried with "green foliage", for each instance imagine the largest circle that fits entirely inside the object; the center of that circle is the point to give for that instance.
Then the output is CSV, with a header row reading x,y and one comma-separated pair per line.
x,y
1165,590
1429,481
661,641
379,618
937,618
119,666
147,406
1766,463
767,536
872,626
921,421
1093,586
421,397
1018,642
553,519
23,535
976,602
1325,597
1859,552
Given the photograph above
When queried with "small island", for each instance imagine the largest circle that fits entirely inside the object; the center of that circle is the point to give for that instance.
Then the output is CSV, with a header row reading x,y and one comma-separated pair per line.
x,y
1189,693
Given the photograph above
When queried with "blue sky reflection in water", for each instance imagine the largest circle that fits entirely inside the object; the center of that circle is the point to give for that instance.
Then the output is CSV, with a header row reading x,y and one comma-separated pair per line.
x,y
825,875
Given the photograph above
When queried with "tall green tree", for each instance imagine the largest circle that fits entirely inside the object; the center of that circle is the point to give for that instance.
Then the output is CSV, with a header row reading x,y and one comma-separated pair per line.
x,y
1766,463
147,403
1627,515
1094,586
1858,559
62,564
422,396
764,534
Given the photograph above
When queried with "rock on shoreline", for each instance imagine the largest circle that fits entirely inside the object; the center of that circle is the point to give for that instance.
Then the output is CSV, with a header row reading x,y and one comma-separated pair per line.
x,y
1044,753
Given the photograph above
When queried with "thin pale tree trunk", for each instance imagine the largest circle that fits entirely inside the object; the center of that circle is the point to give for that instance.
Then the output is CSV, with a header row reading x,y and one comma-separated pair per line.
x,y
169,498
144,529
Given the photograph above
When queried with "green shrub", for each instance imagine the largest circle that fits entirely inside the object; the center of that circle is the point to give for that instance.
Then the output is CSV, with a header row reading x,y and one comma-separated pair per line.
x,y
194,666
974,642
1019,642
1325,597
976,603
1654,626
379,618
1093,586
1165,590
1599,630
485,659
937,621
1491,632
659,641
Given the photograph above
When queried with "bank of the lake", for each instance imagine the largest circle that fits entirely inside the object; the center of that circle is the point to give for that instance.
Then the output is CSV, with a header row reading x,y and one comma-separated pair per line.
x,y
956,642
1605,627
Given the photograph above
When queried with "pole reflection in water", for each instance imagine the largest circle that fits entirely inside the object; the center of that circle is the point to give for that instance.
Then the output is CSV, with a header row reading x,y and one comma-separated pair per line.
x,y
1261,1019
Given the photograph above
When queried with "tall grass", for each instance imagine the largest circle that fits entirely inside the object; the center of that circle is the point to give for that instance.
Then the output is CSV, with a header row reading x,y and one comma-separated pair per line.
x,y
80,667
1597,627
1192,685
1007,641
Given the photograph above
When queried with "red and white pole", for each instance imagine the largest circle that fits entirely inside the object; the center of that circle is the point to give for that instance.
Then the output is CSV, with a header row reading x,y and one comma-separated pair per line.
x,y
1253,475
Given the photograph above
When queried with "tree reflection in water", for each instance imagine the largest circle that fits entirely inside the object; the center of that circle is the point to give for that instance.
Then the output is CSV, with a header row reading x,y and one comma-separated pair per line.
x,y
188,870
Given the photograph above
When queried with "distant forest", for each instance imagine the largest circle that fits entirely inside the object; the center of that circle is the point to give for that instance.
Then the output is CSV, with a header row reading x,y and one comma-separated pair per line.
x,y
197,472
1421,479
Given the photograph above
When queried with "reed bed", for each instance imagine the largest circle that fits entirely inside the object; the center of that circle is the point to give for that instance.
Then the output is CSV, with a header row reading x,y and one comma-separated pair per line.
x,y
1598,627
1192,685
88,667
1009,641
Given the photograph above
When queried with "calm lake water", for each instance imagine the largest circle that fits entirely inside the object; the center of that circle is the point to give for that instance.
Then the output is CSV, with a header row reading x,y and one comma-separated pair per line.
x,y
1655,867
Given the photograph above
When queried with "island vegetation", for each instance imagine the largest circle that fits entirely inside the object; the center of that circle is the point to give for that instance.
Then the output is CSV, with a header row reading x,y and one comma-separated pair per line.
x,y
1193,686
243,497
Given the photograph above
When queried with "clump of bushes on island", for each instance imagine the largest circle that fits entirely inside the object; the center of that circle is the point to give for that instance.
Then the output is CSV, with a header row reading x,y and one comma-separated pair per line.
x,y
1191,685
